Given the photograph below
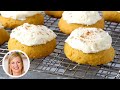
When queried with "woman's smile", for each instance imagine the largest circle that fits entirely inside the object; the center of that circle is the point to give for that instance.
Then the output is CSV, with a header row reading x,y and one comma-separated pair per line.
x,y
16,68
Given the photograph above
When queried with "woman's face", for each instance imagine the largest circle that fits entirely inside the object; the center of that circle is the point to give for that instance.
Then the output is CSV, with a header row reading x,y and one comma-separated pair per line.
x,y
16,65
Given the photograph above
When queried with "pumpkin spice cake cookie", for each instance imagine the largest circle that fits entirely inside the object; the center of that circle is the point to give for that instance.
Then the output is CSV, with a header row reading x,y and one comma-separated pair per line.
x,y
89,46
56,14
36,41
12,19
4,35
113,16
74,19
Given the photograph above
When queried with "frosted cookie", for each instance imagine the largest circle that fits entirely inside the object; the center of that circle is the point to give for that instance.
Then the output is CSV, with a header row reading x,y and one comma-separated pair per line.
x,y
4,35
12,19
113,16
36,41
89,46
56,14
74,19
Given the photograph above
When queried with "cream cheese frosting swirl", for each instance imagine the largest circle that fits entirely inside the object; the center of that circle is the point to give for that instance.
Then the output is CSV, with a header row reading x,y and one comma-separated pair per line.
x,y
19,15
31,35
89,40
81,17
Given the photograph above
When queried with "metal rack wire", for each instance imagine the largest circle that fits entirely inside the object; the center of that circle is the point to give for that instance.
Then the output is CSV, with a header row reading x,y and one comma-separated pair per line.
x,y
57,63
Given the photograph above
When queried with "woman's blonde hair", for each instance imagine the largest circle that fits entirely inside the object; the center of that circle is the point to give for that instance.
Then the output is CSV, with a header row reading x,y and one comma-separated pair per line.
x,y
13,55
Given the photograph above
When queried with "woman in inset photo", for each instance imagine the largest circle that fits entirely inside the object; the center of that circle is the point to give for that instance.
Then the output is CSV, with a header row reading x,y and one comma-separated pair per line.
x,y
15,64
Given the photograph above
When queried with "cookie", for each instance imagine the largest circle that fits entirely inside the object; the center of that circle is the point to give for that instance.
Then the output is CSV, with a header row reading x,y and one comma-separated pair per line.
x,y
93,59
70,21
68,28
4,36
8,22
113,16
56,14
33,52
90,46
36,41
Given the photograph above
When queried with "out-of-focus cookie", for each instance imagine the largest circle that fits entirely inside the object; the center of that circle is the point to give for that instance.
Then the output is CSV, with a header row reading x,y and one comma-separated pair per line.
x,y
4,35
12,19
113,16
56,14
74,19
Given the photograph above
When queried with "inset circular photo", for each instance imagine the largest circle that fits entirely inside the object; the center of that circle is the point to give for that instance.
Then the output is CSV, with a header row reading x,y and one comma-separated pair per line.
x,y
16,63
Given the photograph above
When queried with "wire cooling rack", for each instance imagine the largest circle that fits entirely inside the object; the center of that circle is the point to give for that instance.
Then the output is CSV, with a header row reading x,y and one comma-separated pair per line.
x,y
57,63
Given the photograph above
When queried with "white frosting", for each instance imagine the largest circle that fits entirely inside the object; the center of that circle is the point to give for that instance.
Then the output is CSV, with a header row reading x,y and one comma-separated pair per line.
x,y
19,15
118,11
81,17
30,35
89,40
